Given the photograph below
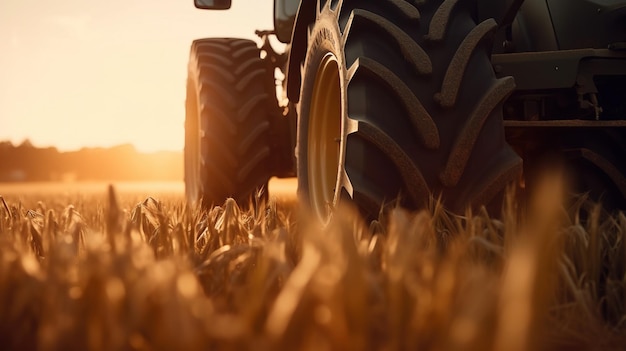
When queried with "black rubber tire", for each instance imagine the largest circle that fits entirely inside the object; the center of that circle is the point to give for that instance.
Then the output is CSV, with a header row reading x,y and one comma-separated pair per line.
x,y
603,170
419,83
227,124
593,160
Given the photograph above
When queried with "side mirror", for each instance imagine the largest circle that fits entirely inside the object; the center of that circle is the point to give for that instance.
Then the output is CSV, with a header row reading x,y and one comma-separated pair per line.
x,y
212,4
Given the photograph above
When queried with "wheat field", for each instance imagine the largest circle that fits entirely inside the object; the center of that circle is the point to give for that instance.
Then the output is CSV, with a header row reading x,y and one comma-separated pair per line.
x,y
108,272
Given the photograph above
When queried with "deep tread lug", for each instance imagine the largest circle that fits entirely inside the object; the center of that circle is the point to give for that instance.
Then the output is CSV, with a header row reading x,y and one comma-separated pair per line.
x,y
406,10
246,80
465,142
251,105
411,51
252,51
412,176
261,155
456,70
420,118
223,73
252,136
440,20
215,88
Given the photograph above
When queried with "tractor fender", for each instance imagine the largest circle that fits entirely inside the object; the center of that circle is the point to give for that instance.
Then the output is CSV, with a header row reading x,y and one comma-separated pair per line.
x,y
533,29
603,23
299,41
503,11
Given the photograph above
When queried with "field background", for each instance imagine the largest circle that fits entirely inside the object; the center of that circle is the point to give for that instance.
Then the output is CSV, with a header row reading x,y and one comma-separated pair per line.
x,y
131,267
130,191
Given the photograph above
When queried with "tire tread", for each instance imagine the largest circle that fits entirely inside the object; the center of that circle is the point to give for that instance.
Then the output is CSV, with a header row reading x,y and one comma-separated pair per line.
x,y
429,78
234,111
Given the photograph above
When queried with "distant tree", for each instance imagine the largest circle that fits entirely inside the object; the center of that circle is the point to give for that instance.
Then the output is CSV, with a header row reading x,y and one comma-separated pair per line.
x,y
26,144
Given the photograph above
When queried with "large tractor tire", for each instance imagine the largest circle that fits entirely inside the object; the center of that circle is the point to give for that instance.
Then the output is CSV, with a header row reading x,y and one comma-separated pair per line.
x,y
593,163
227,124
399,101
595,167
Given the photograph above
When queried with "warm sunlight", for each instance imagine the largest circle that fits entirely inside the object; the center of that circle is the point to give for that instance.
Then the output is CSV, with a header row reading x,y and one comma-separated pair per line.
x,y
86,73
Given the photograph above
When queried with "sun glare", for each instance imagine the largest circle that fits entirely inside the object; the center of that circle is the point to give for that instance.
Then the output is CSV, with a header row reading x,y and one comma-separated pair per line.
x,y
84,74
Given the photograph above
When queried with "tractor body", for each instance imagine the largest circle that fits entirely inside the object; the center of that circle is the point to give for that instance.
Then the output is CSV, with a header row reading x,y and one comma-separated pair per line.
x,y
568,104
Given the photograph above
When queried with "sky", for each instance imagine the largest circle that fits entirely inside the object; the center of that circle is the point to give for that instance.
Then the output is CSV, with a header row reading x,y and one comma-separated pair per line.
x,y
88,73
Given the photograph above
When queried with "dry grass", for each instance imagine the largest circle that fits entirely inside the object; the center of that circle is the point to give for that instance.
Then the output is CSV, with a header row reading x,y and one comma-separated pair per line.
x,y
160,276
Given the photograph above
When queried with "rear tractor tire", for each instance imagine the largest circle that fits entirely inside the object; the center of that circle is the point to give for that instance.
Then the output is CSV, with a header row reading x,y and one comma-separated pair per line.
x,y
228,141
399,101
592,161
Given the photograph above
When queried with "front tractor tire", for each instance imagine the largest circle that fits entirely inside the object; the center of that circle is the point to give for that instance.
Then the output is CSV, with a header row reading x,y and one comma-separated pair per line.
x,y
228,122
399,101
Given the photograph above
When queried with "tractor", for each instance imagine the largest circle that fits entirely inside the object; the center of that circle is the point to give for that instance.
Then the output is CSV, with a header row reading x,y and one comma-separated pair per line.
x,y
378,102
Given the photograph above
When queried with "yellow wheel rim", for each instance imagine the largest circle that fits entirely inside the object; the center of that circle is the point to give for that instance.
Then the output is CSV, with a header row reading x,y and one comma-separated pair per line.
x,y
324,137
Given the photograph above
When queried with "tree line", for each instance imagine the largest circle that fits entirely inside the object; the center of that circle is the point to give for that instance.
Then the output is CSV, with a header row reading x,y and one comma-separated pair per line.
x,y
26,162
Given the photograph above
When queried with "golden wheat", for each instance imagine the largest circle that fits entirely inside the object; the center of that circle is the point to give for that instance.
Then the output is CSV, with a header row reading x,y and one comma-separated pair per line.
x,y
106,275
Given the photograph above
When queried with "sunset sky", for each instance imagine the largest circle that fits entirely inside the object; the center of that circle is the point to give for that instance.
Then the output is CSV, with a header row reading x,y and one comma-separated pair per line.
x,y
76,73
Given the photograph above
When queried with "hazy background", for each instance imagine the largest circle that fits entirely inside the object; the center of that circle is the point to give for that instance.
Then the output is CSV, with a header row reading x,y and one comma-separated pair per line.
x,y
85,73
